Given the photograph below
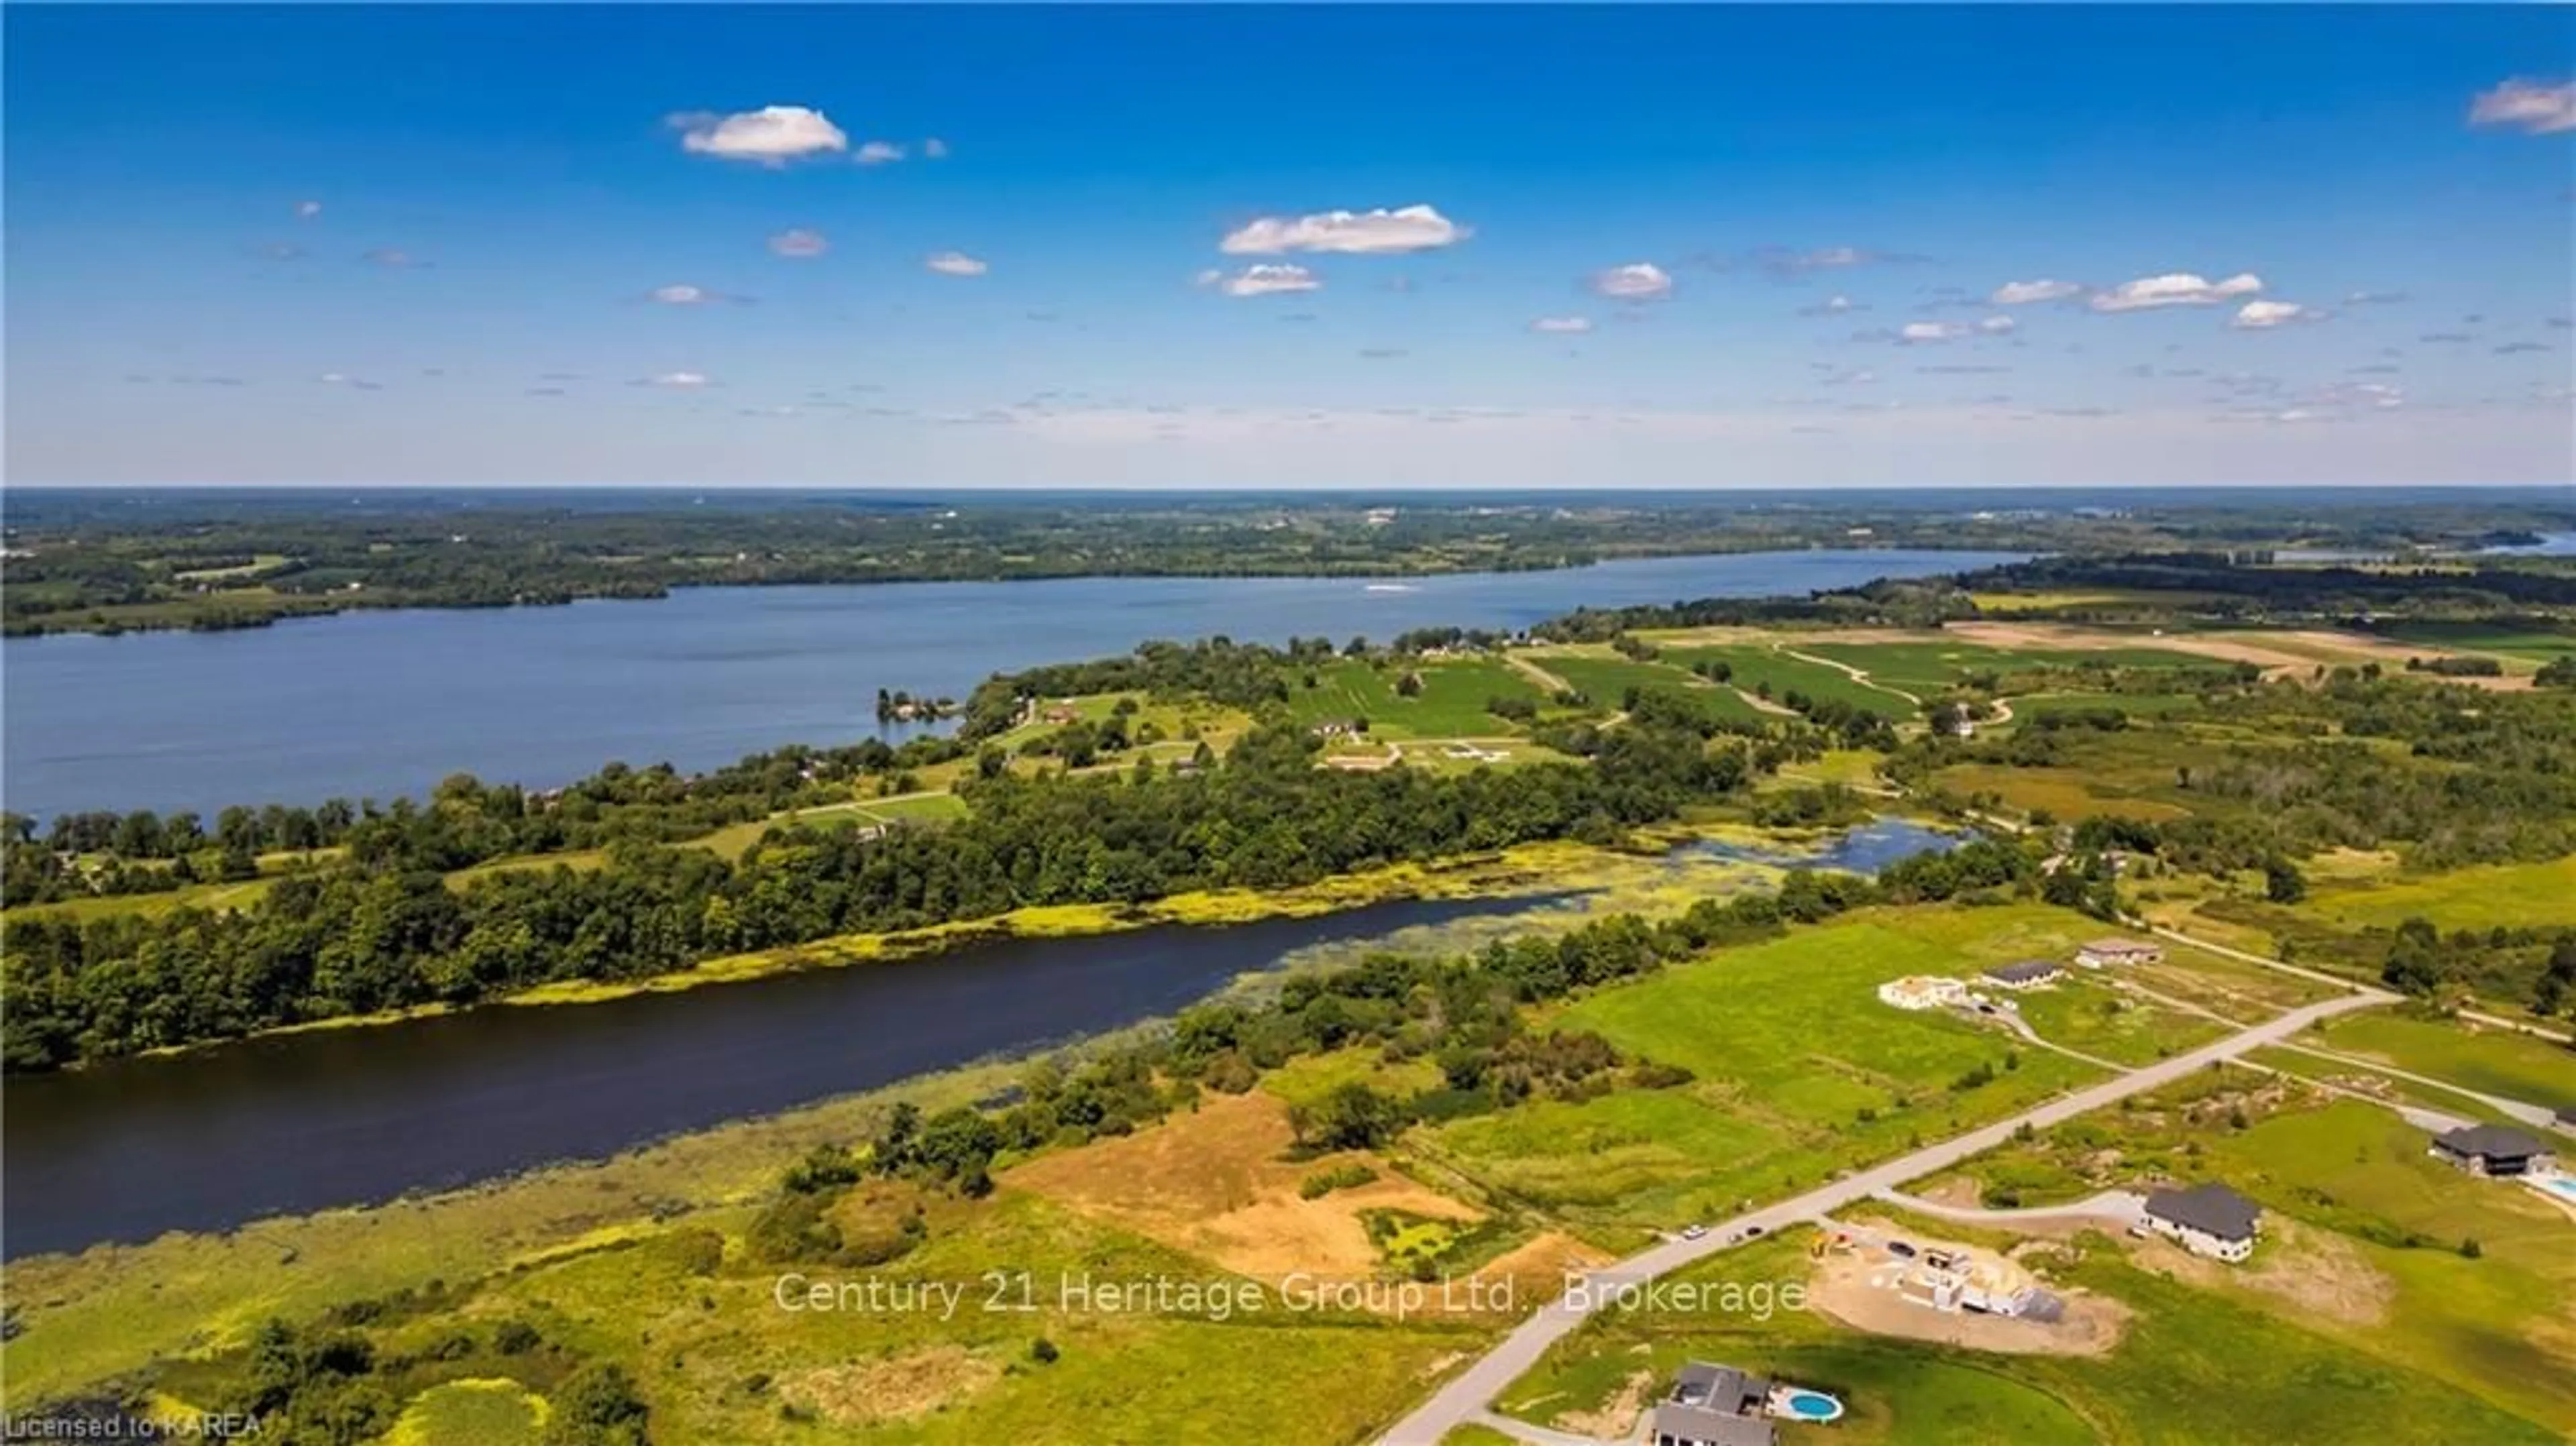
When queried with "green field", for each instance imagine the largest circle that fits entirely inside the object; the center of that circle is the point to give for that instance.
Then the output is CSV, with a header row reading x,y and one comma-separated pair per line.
x,y
1451,704
1934,667
2082,1013
2490,1061
2482,897
2529,644
1800,1070
1756,666
211,897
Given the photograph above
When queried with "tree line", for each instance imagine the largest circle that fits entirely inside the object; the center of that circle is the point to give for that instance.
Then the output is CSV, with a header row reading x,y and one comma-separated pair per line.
x,y
365,938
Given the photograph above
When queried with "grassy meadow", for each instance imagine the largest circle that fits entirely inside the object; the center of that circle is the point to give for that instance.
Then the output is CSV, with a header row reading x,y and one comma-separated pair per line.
x,y
1450,705
2490,1061
1799,1071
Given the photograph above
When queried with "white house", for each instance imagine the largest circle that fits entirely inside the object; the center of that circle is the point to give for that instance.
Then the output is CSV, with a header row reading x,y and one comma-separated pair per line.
x,y
1922,991
2102,952
2209,1220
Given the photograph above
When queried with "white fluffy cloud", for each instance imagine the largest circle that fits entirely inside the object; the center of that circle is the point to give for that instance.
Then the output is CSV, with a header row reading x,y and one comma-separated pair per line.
x,y
798,242
2180,288
1263,279
1996,325
2027,293
2527,105
1562,325
678,381
2264,315
1636,281
878,153
955,263
772,135
1380,232
681,295
307,210
1917,332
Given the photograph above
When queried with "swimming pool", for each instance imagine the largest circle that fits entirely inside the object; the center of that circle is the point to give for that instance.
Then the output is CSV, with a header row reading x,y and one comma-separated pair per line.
x,y
1805,1405
2562,1186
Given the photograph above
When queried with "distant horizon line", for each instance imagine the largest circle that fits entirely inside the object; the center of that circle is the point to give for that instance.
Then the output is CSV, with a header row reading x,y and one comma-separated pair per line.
x,y
1311,489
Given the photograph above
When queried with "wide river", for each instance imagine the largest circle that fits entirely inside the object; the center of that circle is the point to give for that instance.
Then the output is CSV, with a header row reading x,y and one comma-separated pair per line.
x,y
292,1123
379,704
297,1122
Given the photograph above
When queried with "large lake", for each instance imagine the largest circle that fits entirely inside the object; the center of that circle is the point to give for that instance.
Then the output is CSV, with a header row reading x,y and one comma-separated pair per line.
x,y
378,704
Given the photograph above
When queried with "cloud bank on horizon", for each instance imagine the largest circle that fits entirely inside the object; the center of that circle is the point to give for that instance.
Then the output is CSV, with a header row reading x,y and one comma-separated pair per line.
x,y
1429,247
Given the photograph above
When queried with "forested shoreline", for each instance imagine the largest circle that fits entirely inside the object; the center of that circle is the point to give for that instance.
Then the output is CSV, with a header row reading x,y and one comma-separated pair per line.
x,y
355,941
104,563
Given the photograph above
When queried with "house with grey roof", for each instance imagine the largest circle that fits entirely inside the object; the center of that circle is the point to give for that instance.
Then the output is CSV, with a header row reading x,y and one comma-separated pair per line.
x,y
2103,952
2491,1150
1714,1406
2209,1220
2028,974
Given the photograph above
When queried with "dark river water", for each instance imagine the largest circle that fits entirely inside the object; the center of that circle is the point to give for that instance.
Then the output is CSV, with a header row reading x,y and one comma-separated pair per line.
x,y
387,703
294,1123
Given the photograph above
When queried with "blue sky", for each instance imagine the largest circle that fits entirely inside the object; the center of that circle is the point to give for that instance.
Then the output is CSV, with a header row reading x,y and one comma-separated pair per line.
x,y
1640,247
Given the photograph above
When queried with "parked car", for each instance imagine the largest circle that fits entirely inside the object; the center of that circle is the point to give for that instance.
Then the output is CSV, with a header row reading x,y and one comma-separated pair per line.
x,y
1693,1232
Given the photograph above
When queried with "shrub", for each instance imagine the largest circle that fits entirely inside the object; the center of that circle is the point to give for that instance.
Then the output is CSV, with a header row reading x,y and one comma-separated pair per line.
x,y
1339,1177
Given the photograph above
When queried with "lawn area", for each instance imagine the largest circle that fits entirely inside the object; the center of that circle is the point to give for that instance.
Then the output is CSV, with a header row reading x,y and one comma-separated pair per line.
x,y
1799,1071
2193,1368
1451,704
2081,1012
2490,1061
2499,1324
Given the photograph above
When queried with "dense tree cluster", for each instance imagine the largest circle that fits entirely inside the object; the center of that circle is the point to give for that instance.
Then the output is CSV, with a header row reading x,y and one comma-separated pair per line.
x,y
463,822
333,1383
184,562
354,940
2234,584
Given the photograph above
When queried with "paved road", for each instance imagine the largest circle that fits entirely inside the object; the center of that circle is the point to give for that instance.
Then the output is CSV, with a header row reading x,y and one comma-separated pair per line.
x,y
1466,1396
2127,1207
